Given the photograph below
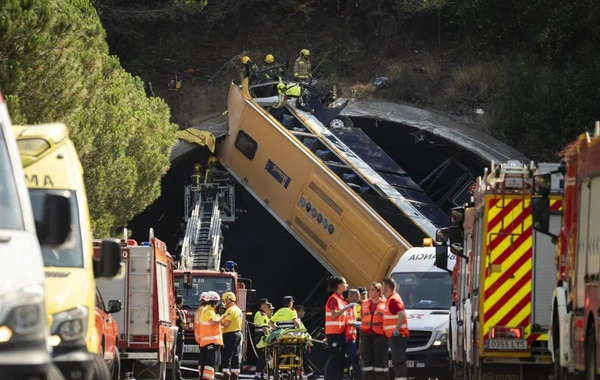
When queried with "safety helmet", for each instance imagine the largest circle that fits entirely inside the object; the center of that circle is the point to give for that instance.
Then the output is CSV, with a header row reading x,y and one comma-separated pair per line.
x,y
245,59
197,167
213,296
203,296
269,58
305,53
228,296
212,160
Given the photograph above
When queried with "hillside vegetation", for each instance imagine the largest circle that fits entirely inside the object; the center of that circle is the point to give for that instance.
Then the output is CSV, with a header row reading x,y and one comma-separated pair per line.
x,y
533,66
55,67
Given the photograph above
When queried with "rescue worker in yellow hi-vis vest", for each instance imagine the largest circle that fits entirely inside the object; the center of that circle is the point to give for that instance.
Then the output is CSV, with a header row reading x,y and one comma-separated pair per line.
x,y
232,337
209,337
261,328
295,90
286,317
308,371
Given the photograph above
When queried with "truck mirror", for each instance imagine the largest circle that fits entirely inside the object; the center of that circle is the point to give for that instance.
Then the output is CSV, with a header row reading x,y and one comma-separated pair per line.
x,y
251,299
109,262
187,280
441,257
114,306
55,226
540,210
542,184
456,235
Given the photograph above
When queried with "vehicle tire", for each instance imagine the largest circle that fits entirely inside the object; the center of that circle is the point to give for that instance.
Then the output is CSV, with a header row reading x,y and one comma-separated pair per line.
x,y
116,367
590,354
341,122
99,368
54,373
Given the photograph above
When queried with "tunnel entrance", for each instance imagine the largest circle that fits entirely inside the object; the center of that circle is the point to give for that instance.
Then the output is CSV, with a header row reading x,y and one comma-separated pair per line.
x,y
264,251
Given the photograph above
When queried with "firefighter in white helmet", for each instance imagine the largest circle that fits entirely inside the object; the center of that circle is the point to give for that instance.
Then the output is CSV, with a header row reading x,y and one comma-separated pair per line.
x,y
210,337
232,337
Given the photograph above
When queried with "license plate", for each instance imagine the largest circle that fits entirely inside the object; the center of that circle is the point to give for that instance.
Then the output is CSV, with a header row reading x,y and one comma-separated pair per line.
x,y
413,364
191,349
506,344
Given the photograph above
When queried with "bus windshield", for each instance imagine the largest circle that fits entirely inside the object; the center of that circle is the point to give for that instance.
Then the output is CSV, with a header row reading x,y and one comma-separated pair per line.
x,y
191,297
425,290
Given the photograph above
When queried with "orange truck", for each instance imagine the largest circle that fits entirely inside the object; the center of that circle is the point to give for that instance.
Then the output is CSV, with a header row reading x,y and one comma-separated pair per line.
x,y
108,334
148,331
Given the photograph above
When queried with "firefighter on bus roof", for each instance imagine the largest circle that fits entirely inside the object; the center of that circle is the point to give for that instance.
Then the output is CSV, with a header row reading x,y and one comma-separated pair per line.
x,y
210,337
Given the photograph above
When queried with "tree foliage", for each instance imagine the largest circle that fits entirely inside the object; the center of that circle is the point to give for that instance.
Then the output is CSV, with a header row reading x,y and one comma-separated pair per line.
x,y
55,66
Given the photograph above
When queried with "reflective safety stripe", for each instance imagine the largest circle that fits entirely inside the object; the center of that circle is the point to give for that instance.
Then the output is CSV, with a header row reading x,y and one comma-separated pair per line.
x,y
209,372
235,371
382,369
367,369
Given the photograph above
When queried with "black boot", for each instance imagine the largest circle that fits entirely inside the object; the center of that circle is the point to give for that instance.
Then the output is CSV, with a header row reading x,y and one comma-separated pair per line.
x,y
225,376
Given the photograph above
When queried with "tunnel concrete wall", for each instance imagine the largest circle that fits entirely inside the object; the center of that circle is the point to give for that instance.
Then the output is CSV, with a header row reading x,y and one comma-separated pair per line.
x,y
480,144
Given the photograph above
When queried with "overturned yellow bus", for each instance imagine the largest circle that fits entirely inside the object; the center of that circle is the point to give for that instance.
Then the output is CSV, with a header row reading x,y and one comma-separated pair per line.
x,y
354,221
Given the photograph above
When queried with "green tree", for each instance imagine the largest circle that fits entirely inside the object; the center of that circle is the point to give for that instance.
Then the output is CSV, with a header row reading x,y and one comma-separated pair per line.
x,y
55,66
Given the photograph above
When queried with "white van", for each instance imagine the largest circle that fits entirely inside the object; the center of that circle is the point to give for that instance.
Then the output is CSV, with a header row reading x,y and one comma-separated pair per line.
x,y
427,295
24,351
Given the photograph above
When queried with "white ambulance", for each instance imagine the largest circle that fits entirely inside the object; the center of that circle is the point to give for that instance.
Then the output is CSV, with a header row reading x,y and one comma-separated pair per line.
x,y
24,352
427,295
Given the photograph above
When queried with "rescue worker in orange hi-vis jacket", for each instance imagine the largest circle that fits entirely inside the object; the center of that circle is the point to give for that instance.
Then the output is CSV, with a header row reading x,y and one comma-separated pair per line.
x,y
209,337
352,334
373,342
396,328
336,314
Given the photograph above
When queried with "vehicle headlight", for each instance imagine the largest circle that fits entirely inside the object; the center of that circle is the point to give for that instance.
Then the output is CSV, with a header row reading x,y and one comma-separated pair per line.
x,y
71,325
23,314
440,337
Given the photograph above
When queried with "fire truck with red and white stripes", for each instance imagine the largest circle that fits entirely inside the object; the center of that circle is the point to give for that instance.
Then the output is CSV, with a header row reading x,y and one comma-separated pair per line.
x,y
504,274
147,329
573,336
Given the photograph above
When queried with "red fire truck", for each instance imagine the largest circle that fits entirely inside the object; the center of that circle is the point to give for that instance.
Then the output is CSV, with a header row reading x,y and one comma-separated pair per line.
x,y
191,283
147,330
199,260
575,308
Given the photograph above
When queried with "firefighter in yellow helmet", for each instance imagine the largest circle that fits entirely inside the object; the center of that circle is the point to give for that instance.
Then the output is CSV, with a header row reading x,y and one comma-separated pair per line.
x,y
232,337
210,188
249,68
302,67
196,177
270,68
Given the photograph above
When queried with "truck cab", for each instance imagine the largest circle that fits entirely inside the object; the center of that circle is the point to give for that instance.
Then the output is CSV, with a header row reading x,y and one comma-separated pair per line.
x,y
427,295
52,167
191,283
23,336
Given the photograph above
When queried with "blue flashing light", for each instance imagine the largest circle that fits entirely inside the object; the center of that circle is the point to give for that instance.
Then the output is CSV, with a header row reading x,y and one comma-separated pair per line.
x,y
146,244
230,265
